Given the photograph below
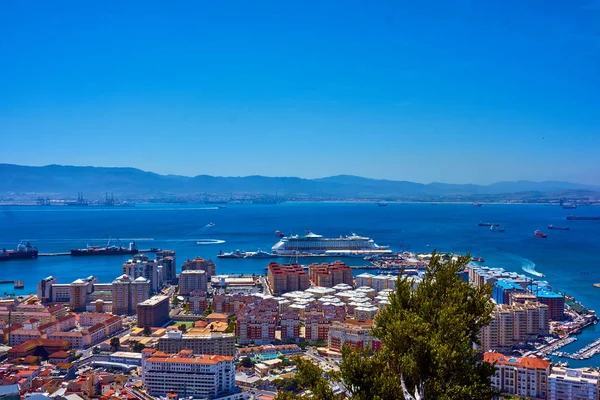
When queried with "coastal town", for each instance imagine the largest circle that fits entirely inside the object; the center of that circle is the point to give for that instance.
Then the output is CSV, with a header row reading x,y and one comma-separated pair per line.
x,y
202,333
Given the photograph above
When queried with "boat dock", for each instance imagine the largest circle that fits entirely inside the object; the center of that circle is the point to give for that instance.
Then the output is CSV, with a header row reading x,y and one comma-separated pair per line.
x,y
587,352
18,284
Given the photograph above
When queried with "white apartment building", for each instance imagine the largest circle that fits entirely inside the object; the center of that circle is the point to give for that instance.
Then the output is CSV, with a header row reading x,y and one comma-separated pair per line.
x,y
205,376
573,384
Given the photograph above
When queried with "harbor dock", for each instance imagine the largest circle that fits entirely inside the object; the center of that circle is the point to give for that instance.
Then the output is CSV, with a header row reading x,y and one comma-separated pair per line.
x,y
69,253
18,284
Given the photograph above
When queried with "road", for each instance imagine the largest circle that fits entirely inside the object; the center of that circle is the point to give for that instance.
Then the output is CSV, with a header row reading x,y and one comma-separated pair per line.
x,y
263,281
254,393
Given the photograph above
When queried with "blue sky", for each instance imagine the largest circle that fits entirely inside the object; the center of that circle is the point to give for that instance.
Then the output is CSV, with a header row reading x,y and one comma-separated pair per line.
x,y
459,92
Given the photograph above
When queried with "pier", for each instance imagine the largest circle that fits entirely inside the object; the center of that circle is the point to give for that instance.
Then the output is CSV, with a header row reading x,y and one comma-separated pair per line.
x,y
69,253
17,284
587,352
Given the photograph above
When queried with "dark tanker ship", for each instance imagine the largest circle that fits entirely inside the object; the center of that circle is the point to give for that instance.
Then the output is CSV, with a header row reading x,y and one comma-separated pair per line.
x,y
23,252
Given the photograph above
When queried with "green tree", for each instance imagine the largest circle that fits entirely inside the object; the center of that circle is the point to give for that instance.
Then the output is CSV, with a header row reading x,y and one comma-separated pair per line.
x,y
175,301
115,343
147,330
246,362
137,347
427,336
182,328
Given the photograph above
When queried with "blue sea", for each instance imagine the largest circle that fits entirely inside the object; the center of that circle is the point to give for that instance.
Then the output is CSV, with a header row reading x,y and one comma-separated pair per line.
x,y
568,259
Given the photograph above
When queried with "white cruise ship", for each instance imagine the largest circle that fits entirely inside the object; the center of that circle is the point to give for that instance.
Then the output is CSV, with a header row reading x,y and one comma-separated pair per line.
x,y
312,244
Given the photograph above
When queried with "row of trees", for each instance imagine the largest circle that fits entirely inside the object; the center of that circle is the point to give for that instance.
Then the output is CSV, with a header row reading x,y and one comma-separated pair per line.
x,y
427,336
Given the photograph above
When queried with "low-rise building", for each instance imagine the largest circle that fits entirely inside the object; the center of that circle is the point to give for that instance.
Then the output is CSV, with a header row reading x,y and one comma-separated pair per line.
x,y
203,342
573,384
352,333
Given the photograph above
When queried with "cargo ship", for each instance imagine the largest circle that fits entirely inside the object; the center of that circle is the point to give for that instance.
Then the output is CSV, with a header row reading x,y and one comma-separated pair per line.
x,y
540,234
105,251
312,244
559,228
572,217
23,252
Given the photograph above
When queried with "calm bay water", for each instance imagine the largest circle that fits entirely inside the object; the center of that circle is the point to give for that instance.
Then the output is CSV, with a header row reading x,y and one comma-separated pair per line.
x,y
567,258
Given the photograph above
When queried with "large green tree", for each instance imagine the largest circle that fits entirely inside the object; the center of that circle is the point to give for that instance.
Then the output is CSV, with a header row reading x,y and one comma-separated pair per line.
x,y
428,334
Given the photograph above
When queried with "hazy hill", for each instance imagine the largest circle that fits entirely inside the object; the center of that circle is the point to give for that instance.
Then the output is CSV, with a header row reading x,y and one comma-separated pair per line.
x,y
69,180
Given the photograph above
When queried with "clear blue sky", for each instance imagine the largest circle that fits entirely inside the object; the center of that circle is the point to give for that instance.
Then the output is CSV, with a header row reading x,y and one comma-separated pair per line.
x,y
453,91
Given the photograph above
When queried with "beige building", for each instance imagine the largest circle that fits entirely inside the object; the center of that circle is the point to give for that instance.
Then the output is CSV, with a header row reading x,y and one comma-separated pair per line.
x,y
79,294
524,376
191,280
200,264
513,325
127,293
203,343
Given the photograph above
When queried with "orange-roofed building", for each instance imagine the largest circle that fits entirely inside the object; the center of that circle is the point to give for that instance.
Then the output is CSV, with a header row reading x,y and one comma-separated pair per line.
x,y
200,324
523,376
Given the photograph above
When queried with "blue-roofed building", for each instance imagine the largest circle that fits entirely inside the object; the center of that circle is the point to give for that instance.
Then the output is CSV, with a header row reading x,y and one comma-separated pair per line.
x,y
10,392
502,290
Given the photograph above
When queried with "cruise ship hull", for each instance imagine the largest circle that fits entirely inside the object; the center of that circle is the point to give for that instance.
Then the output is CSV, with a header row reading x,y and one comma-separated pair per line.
x,y
313,245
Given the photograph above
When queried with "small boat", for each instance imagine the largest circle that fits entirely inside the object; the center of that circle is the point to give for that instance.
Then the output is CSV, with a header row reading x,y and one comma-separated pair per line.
x,y
477,259
560,228
540,234
496,228
382,204
569,206
476,204
572,217
259,254
487,224
232,254
211,224
279,234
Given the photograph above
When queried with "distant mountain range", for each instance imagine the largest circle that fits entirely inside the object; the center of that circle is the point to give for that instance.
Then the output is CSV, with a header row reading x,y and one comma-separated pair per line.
x,y
95,181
